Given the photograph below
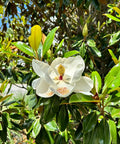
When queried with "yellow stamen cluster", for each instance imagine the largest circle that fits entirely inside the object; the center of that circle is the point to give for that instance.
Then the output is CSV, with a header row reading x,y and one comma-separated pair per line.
x,y
61,70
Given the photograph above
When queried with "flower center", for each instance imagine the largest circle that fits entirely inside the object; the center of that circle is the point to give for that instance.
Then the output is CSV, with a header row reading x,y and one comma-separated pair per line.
x,y
61,71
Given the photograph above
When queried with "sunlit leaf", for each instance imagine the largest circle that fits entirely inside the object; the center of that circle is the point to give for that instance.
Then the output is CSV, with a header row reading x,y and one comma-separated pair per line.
x,y
36,128
113,132
71,53
112,79
97,81
92,46
75,98
24,48
49,40
116,61
116,9
112,17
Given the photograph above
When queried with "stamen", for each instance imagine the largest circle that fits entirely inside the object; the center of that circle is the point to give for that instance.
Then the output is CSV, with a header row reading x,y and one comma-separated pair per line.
x,y
61,70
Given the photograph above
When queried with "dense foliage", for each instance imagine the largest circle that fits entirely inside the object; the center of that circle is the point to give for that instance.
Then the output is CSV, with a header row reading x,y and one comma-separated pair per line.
x,y
89,28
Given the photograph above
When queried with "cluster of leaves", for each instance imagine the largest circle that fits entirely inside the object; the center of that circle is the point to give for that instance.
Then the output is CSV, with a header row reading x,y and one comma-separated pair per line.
x,y
78,118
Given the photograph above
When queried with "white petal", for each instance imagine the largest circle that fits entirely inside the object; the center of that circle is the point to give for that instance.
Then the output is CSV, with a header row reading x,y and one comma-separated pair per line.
x,y
74,67
57,61
35,83
84,85
62,89
39,67
42,88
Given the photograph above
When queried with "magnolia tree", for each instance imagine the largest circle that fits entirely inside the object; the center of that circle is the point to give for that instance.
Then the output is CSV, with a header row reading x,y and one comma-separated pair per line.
x,y
63,103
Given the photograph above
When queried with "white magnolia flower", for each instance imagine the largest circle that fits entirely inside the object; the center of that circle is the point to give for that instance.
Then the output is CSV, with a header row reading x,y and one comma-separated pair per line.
x,y
62,77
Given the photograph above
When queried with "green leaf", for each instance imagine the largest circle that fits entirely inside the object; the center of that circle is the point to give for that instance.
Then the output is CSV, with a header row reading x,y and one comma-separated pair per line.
x,y
24,48
91,137
113,56
50,110
97,81
36,128
112,79
5,97
59,139
112,17
51,126
82,50
59,46
113,132
42,137
16,116
16,55
62,118
3,86
27,77
75,98
89,122
3,133
78,132
114,38
103,132
93,48
71,53
116,9
115,113
49,40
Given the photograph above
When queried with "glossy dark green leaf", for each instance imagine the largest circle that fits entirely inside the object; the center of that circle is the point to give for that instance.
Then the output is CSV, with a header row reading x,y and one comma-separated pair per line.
x,y
79,132
42,137
2,77
50,110
91,137
74,112
103,132
16,116
3,132
49,40
75,98
59,140
62,118
89,122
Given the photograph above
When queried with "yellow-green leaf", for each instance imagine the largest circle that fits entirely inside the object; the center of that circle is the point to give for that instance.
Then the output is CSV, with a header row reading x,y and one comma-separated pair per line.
x,y
4,98
117,10
36,37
